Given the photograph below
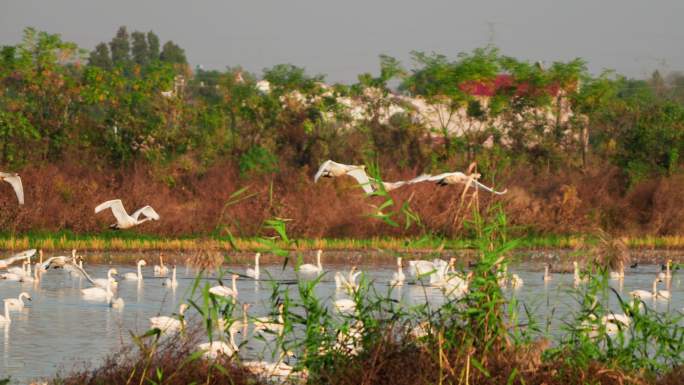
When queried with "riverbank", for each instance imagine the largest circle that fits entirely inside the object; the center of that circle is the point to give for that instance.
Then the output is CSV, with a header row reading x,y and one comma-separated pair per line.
x,y
136,243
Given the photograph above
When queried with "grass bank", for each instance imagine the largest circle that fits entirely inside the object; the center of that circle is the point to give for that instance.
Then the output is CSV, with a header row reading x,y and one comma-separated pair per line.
x,y
122,241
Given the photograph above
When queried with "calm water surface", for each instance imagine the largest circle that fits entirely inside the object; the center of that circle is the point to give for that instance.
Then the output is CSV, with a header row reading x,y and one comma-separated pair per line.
x,y
59,330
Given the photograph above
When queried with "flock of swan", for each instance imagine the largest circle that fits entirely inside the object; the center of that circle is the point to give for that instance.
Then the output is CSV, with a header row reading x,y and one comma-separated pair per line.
x,y
438,273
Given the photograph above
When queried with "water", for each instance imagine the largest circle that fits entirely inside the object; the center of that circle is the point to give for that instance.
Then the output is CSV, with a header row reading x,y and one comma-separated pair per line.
x,y
61,330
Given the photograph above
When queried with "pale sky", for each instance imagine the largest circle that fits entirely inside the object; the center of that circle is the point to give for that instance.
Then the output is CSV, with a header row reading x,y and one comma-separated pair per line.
x,y
344,38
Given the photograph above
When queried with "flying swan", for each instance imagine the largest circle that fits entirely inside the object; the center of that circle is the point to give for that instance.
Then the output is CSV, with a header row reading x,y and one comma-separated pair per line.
x,y
123,220
15,181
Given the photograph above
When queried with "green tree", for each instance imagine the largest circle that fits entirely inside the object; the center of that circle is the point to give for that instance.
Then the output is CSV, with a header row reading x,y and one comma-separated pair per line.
x,y
140,49
172,53
99,57
120,47
153,46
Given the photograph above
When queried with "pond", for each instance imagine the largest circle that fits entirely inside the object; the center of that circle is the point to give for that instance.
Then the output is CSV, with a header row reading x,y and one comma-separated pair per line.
x,y
60,330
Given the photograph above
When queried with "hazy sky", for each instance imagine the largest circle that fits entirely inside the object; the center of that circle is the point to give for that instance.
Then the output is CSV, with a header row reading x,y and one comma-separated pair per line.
x,y
343,38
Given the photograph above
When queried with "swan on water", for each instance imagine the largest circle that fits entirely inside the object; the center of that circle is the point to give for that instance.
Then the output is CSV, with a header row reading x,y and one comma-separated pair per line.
x,y
398,277
547,274
224,291
59,262
17,304
254,272
347,283
160,269
123,220
169,324
102,282
172,283
214,349
577,278
238,326
330,169
15,180
309,268
516,281
138,275
267,324
98,293
345,305
4,263
653,294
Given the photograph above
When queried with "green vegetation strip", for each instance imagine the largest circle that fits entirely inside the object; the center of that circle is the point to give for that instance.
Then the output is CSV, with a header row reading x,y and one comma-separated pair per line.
x,y
135,242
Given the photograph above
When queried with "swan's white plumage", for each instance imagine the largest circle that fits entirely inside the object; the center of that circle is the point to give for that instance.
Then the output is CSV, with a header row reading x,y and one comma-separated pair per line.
x,y
15,181
123,220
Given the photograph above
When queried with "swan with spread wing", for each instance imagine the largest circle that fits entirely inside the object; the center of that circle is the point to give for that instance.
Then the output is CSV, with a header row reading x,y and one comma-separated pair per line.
x,y
123,220
14,180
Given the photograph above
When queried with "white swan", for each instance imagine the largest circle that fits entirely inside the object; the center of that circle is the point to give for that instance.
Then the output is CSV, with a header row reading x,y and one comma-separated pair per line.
x,y
516,281
449,178
169,324
347,283
236,325
269,325
653,294
577,278
4,263
160,269
214,349
330,169
313,269
59,262
14,180
224,291
547,275
102,282
17,304
254,273
136,276
114,302
98,293
123,220
398,277
172,283
419,268
345,305
6,319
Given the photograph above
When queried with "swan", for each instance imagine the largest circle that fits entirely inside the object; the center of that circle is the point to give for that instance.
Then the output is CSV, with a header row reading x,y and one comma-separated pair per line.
x,y
313,269
19,271
16,257
123,220
449,178
236,325
419,268
619,274
160,269
654,294
6,318
136,276
115,303
169,324
172,283
98,293
577,278
60,261
398,277
347,283
15,180
547,275
254,273
345,305
330,169
266,324
456,286
224,291
516,281
103,282
668,270
17,303
268,369
216,348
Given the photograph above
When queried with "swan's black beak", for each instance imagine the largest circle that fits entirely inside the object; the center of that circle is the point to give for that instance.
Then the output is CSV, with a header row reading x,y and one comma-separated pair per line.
x,y
29,298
